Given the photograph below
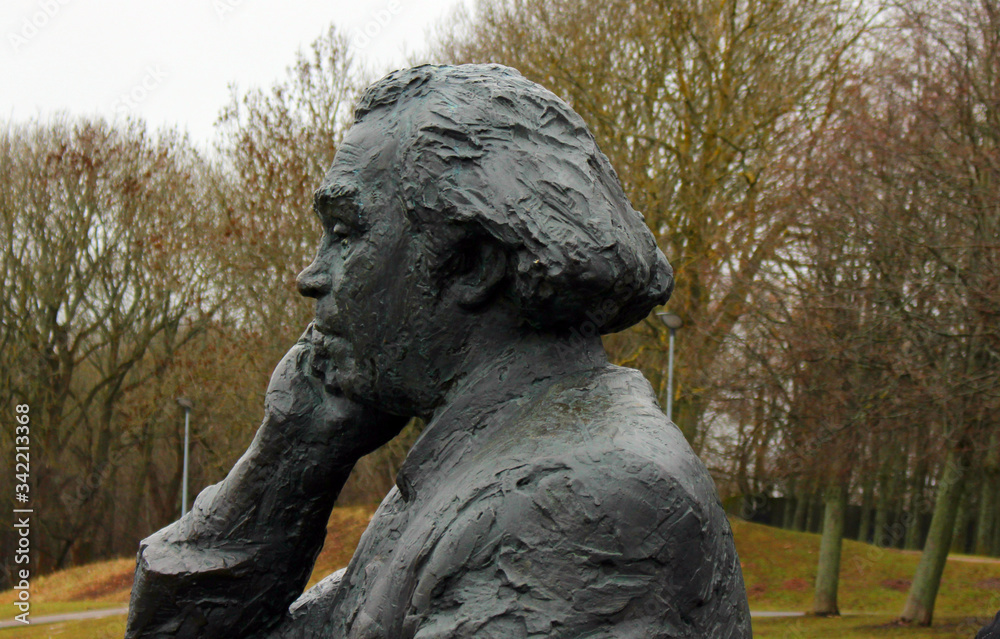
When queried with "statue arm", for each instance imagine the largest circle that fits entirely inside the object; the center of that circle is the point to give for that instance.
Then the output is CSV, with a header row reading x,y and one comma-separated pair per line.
x,y
233,564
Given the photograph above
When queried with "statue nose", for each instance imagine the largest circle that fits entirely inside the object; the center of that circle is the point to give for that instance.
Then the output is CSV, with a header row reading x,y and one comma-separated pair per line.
x,y
314,281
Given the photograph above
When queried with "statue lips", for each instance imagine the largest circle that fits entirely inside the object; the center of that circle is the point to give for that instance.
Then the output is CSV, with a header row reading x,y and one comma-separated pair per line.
x,y
329,350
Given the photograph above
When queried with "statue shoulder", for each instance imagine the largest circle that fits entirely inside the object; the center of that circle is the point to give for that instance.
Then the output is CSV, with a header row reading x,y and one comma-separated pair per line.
x,y
608,432
643,503
588,513
596,537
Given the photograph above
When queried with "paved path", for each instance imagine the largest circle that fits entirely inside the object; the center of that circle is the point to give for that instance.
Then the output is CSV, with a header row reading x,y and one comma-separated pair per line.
x,y
69,616
111,612
966,559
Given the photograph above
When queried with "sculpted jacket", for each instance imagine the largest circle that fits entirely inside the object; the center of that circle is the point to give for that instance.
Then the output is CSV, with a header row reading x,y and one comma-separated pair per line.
x,y
575,510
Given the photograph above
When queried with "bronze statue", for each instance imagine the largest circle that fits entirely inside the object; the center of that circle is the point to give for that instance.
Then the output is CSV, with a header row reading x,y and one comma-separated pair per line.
x,y
990,630
477,244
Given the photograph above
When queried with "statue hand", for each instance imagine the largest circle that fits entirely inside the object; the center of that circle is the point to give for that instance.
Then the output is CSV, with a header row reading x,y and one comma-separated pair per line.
x,y
309,412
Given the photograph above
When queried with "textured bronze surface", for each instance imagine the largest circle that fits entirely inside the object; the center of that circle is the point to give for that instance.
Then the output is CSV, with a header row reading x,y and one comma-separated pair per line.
x,y
477,244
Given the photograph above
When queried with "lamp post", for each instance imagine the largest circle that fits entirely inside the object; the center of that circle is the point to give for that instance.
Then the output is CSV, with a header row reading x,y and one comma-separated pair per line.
x,y
187,405
673,322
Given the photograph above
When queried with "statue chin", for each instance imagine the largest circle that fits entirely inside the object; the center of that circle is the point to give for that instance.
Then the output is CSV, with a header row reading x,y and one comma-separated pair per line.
x,y
329,359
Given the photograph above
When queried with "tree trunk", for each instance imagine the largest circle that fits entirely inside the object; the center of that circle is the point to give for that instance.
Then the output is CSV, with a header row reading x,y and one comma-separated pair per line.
x,y
958,535
913,531
788,512
986,521
880,534
814,501
897,534
919,606
867,496
801,504
828,569
687,415
996,540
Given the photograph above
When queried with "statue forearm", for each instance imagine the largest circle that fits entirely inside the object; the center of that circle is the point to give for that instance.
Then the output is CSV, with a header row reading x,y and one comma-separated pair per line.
x,y
276,487
232,565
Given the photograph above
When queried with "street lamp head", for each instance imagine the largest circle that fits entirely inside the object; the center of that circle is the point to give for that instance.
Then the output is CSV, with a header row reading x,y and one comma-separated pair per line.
x,y
672,320
185,403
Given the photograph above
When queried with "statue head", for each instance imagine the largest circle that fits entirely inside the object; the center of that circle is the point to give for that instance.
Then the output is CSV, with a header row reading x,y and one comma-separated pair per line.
x,y
470,196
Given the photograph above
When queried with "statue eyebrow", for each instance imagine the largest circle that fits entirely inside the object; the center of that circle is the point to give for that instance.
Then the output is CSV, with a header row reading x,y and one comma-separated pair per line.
x,y
336,201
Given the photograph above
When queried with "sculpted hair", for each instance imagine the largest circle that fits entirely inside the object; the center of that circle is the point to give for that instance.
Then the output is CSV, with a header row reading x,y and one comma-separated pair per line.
x,y
485,152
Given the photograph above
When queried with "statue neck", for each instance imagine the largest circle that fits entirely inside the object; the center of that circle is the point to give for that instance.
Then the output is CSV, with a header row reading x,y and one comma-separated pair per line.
x,y
495,369
489,394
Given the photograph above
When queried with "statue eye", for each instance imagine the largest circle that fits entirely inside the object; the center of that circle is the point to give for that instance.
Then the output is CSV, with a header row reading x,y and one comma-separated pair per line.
x,y
341,230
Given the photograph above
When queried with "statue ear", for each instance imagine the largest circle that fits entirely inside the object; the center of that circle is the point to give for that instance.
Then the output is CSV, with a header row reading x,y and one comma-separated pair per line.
x,y
479,267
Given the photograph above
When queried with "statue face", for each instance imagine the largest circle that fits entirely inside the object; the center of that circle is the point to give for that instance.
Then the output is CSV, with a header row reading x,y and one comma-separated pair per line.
x,y
377,305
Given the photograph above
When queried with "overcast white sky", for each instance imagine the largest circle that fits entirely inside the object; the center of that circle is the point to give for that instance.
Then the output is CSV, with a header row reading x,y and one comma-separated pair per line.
x,y
171,61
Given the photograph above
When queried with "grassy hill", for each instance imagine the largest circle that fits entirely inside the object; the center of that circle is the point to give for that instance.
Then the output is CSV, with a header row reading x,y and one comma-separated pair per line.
x,y
779,567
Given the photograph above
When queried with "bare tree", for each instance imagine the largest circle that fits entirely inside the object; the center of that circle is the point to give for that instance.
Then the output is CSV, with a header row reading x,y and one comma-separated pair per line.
x,y
103,262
